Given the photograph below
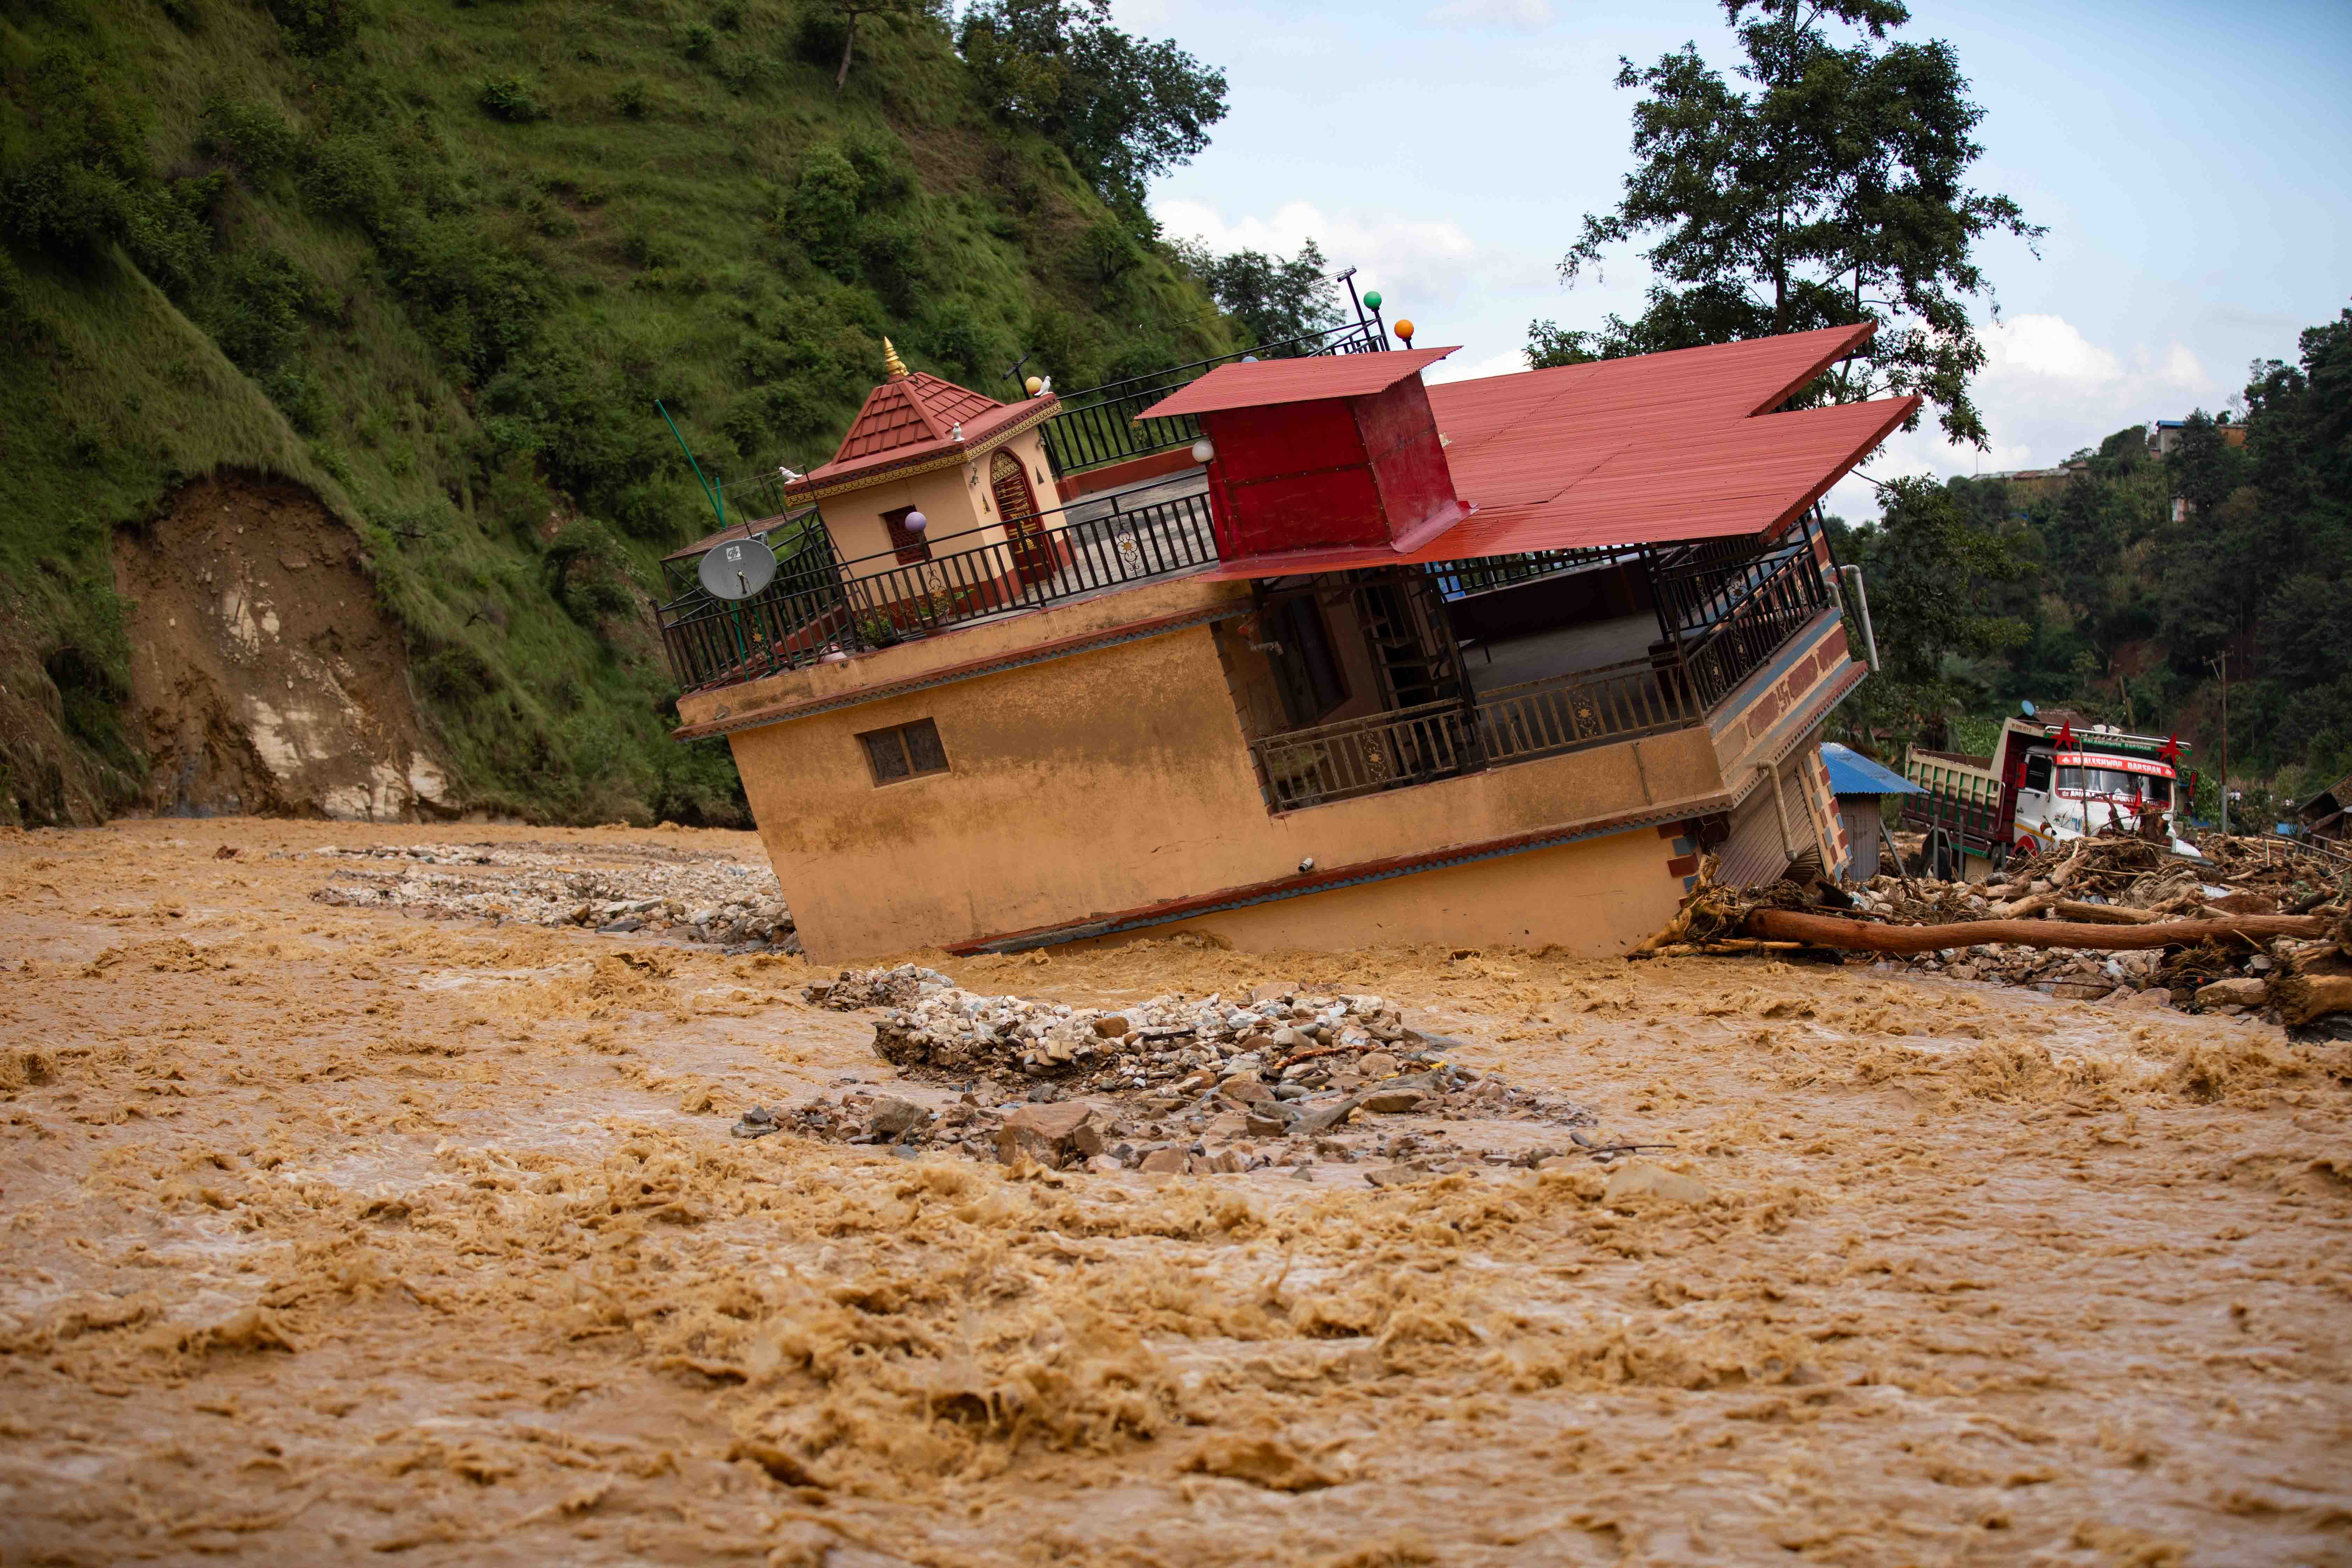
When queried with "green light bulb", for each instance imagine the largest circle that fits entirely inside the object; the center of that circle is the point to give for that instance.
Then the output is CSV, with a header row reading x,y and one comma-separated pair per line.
x,y
1372,300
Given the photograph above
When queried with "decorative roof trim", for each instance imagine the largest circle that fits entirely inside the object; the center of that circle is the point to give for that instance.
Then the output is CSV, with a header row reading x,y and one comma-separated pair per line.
x,y
970,450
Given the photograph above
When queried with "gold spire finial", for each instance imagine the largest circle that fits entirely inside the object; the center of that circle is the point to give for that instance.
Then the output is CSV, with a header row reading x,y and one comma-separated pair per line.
x,y
892,362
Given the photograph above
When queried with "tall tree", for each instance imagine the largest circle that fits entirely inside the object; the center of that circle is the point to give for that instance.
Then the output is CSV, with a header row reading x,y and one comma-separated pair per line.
x,y
1274,299
1829,190
1934,571
847,13
1124,107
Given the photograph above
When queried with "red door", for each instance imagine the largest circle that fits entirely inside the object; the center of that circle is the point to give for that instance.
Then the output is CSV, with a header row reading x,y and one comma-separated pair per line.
x,y
1016,504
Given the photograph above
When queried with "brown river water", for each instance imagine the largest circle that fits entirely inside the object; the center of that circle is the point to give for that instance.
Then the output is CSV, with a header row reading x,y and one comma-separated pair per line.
x,y
340,1235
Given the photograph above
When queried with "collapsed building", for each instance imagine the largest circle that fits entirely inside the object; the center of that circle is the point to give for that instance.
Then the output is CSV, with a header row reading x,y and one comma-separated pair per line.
x,y
1293,651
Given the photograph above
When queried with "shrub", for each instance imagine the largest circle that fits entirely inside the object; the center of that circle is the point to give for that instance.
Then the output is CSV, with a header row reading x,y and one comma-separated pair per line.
x,y
699,40
250,135
824,210
508,97
632,98
456,673
347,174
316,27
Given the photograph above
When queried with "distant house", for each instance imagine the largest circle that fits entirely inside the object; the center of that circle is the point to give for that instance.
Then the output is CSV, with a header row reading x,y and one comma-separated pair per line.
x,y
2164,435
1493,661
2328,814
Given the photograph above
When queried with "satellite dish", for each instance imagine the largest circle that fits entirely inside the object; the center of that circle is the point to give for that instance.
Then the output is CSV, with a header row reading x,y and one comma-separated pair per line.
x,y
737,569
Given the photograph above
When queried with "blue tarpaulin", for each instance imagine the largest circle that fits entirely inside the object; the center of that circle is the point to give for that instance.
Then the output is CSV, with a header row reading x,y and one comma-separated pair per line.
x,y
1851,772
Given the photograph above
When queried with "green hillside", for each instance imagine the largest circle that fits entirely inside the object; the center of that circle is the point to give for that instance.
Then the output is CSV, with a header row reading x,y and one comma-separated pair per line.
x,y
434,261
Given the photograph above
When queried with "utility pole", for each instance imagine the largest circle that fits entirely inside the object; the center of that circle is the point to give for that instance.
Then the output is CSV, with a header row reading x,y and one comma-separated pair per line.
x,y
2221,666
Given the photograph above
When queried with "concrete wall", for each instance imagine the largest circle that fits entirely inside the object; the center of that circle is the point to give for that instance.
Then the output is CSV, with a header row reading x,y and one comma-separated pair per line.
x,y
1113,780
1594,898
1108,779
949,498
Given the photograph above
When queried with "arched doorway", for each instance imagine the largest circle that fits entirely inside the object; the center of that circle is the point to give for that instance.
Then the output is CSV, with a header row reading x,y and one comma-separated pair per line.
x,y
1016,506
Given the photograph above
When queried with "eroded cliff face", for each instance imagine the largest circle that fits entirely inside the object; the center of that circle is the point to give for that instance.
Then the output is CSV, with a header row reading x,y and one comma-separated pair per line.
x,y
263,678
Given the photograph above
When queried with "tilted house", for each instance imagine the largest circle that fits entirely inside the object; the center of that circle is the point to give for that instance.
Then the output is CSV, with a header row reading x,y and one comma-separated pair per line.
x,y
1486,662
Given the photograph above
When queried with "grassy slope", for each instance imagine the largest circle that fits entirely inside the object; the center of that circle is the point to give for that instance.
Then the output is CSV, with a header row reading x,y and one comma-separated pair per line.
x,y
653,226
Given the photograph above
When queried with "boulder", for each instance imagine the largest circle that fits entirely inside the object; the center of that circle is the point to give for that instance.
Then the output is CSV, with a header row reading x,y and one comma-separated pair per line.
x,y
1068,1132
894,1118
2246,991
1394,1101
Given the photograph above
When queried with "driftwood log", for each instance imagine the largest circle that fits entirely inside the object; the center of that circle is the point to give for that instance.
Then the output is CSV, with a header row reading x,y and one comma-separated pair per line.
x,y
2300,998
1868,936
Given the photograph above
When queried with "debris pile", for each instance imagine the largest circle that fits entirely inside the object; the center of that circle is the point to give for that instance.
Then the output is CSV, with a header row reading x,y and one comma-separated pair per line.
x,y
700,896
1174,1084
2261,929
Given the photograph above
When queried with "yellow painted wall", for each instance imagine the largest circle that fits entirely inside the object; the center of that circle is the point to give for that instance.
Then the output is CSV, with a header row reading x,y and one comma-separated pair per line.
x,y
1595,899
1108,780
947,497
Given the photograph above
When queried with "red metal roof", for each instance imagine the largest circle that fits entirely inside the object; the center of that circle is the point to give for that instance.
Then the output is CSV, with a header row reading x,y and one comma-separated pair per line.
x,y
1261,382
911,417
1634,451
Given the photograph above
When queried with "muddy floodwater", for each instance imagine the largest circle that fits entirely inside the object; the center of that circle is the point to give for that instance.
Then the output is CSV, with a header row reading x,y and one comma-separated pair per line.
x,y
339,1235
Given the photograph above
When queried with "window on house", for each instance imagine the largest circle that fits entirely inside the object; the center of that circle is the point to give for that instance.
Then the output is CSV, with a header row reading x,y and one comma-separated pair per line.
x,y
1305,671
904,751
911,545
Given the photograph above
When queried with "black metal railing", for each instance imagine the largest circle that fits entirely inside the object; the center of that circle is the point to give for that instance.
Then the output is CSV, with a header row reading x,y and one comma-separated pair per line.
x,y
1682,680
1367,755
1751,618
1587,708
1460,579
875,601
1098,425
1444,739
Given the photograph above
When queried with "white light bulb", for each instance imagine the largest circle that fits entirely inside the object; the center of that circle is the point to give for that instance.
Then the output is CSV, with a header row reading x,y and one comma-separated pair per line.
x,y
1203,450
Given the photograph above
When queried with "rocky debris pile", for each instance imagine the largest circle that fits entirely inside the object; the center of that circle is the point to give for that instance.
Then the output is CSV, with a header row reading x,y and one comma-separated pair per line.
x,y
609,887
2122,881
1174,1085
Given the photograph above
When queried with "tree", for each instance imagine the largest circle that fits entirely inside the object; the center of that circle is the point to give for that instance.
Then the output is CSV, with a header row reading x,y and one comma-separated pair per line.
x,y
847,13
1274,299
1126,110
1831,192
1931,570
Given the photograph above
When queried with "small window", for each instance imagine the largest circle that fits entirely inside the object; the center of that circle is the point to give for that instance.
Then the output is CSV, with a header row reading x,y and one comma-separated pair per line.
x,y
2037,772
904,751
1305,670
911,545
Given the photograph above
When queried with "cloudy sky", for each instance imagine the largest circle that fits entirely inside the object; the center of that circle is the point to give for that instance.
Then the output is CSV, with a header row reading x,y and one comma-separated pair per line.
x,y
2189,160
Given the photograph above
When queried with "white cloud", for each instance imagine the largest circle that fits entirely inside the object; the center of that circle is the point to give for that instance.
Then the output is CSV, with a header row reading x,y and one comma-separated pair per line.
x,y
1458,369
1419,266
1521,15
2045,346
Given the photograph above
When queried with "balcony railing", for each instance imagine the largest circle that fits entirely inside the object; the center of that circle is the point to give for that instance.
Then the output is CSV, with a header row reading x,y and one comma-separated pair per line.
x,y
1588,707
1098,425
878,600
1750,619
1441,740
1364,756
1671,690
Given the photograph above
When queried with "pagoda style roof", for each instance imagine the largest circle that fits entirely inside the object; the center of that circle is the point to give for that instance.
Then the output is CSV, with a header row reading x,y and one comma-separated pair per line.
x,y
914,422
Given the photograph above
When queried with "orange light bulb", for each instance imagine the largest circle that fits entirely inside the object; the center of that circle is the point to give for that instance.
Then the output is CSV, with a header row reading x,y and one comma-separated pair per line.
x,y
1404,331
